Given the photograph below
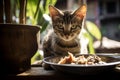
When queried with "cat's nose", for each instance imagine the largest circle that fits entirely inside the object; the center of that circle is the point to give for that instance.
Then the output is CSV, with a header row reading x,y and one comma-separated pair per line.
x,y
67,36
66,32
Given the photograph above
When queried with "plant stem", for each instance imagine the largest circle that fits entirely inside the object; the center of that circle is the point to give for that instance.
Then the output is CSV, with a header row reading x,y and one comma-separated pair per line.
x,y
37,8
22,15
8,14
1,12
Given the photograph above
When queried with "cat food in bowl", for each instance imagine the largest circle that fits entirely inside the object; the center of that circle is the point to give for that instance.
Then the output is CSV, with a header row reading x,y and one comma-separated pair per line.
x,y
105,64
82,59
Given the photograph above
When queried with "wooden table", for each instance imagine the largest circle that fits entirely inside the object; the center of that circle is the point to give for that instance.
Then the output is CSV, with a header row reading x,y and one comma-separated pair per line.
x,y
38,73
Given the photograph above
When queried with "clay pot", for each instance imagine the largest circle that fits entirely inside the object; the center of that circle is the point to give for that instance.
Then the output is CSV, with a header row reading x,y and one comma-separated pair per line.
x,y
18,44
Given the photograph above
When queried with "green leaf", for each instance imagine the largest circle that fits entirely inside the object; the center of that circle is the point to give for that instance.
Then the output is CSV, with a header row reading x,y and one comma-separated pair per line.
x,y
44,26
90,44
31,9
93,29
39,17
37,56
48,2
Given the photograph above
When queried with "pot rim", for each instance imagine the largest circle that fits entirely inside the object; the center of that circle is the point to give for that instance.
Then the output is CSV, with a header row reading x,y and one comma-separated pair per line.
x,y
21,25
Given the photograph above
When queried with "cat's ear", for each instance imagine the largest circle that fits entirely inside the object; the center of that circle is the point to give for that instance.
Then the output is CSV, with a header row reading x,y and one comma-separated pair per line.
x,y
54,12
80,13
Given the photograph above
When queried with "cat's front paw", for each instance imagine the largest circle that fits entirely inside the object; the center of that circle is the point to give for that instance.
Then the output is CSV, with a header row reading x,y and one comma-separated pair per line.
x,y
46,66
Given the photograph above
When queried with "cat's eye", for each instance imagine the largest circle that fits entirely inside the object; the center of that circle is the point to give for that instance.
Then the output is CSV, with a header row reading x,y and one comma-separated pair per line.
x,y
74,27
60,26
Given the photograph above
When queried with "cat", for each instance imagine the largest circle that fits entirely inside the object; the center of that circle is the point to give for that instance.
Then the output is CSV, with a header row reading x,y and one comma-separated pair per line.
x,y
66,33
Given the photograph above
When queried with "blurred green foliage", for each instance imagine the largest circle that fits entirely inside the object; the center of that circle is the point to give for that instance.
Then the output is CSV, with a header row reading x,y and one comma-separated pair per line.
x,y
36,9
37,56
91,31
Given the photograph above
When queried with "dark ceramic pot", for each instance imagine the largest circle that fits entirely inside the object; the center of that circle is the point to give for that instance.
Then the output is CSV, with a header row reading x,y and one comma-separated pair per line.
x,y
18,43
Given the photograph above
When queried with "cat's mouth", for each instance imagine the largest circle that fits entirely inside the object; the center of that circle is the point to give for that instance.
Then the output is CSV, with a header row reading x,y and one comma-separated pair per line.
x,y
67,38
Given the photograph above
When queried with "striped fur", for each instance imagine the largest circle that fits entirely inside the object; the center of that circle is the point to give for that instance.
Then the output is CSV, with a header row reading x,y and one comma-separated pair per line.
x,y
66,33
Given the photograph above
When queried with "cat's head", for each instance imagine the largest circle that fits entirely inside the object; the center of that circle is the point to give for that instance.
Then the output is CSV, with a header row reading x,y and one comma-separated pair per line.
x,y
67,25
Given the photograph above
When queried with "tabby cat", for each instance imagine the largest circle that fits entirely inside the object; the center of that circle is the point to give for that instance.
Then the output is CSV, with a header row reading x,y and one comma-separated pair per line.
x,y
66,34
